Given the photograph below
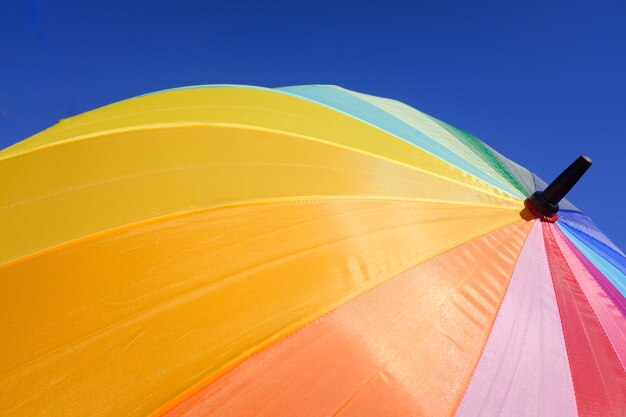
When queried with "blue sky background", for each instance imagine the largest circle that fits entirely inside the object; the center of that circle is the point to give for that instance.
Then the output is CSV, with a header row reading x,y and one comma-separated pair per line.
x,y
541,83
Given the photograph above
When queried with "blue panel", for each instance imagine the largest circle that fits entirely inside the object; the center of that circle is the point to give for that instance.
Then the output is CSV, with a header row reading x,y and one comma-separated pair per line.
x,y
616,259
583,223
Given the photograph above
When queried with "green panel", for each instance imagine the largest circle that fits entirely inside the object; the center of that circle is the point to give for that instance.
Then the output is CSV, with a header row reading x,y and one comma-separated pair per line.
x,y
437,133
480,149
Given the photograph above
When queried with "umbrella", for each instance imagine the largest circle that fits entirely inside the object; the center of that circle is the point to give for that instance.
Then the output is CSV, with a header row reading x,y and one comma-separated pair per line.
x,y
302,251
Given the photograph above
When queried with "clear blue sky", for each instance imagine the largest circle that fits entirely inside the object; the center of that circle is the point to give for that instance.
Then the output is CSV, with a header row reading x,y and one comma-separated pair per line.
x,y
541,83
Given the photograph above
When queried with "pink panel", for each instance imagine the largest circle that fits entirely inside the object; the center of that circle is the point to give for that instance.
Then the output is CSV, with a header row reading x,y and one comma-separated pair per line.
x,y
524,370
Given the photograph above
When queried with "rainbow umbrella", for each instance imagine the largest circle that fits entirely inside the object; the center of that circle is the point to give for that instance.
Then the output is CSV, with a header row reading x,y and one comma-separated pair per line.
x,y
301,251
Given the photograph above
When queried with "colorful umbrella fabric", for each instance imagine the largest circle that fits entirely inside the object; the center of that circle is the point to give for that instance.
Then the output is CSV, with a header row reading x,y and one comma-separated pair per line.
x,y
301,251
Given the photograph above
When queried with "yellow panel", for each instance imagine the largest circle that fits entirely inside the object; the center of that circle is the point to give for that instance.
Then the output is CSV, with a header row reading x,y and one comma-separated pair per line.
x,y
62,192
250,107
117,324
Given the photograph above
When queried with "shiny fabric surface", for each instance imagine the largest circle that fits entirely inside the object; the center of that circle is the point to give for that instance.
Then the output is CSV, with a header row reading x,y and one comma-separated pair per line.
x,y
301,251
153,309
386,352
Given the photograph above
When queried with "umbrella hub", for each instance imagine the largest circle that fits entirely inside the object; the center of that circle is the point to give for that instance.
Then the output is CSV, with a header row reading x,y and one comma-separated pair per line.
x,y
545,204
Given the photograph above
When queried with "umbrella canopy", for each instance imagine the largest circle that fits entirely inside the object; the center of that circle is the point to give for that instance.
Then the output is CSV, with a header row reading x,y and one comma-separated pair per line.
x,y
302,251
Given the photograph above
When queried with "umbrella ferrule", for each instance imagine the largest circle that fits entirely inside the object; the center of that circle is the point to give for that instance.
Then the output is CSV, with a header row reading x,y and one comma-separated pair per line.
x,y
546,202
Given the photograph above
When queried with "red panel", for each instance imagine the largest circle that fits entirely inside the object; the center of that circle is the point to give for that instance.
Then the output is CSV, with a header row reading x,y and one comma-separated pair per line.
x,y
599,379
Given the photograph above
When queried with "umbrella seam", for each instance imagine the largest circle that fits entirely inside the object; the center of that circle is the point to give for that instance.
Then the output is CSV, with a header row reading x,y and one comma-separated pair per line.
x,y
170,216
165,125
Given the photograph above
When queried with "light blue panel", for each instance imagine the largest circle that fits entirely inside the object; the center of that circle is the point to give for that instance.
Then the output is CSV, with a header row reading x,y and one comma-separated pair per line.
x,y
339,99
609,271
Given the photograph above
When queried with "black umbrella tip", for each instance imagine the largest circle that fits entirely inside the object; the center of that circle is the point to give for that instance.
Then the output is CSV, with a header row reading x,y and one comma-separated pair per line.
x,y
546,203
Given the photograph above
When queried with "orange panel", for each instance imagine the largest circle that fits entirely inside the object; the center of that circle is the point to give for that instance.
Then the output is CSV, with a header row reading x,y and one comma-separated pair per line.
x,y
406,347
119,323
